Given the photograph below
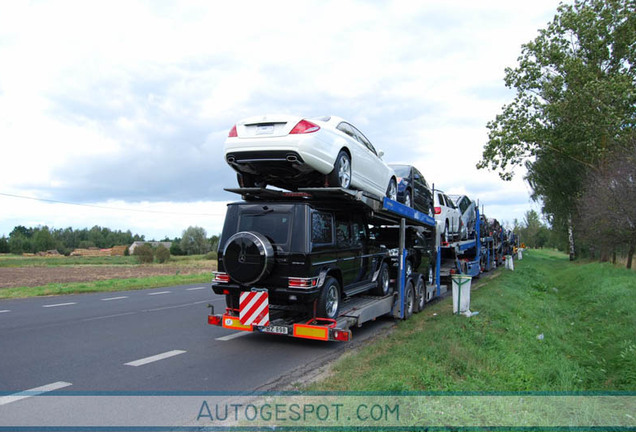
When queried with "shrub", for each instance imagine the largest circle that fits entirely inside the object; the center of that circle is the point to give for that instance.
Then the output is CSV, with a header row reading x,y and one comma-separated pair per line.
x,y
211,255
144,254
162,254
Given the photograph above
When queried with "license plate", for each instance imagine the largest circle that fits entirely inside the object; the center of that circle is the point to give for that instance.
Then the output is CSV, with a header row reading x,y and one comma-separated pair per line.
x,y
264,129
275,329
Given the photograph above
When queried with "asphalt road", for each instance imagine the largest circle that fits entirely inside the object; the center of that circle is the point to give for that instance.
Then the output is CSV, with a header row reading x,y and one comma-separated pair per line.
x,y
154,340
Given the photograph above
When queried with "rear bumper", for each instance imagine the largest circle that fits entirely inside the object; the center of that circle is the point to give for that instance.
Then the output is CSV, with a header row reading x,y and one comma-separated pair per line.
x,y
277,295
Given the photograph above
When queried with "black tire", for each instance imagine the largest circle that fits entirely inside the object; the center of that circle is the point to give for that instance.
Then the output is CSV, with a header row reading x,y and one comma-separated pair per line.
x,y
232,301
409,299
329,299
248,257
408,198
341,174
420,294
391,191
384,287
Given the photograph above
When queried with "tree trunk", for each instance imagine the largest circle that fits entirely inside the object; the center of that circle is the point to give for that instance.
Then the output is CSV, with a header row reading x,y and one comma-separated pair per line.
x,y
571,238
630,255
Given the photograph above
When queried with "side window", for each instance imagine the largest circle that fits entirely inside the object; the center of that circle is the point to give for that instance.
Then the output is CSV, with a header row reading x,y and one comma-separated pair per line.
x,y
361,138
347,128
463,205
343,234
321,228
359,233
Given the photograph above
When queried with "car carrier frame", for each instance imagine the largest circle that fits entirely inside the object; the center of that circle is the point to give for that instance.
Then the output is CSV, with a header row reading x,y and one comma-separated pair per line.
x,y
458,257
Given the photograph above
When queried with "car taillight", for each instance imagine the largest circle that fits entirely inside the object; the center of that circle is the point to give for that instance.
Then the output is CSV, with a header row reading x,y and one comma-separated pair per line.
x,y
342,335
221,277
302,282
438,210
304,127
233,133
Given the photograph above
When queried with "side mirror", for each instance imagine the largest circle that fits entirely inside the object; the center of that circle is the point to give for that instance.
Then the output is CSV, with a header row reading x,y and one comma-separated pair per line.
x,y
380,154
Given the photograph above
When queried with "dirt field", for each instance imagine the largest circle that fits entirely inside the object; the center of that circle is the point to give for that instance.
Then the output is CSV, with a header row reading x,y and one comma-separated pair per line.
x,y
37,276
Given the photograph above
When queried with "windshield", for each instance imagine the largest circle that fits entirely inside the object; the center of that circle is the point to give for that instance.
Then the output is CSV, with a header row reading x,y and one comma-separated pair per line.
x,y
401,170
274,226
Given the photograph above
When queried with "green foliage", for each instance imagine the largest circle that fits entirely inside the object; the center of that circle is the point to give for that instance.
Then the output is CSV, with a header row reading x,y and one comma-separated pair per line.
x,y
4,245
575,96
194,241
162,254
550,325
144,253
212,255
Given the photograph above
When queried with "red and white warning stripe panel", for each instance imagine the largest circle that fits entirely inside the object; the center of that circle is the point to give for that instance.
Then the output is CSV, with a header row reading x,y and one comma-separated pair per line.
x,y
254,308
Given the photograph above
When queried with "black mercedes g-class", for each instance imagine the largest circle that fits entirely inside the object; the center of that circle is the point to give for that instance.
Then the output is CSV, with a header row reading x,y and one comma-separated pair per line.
x,y
310,255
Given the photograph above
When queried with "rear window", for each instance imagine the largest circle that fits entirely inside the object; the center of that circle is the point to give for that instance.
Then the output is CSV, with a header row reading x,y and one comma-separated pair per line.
x,y
274,226
401,170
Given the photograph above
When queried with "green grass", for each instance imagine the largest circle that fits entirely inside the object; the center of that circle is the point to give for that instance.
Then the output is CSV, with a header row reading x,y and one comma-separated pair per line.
x,y
7,260
111,285
550,325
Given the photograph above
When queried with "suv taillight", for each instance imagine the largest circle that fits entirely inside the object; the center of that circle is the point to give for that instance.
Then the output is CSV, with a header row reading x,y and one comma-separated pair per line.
x,y
438,210
302,282
221,277
233,133
304,127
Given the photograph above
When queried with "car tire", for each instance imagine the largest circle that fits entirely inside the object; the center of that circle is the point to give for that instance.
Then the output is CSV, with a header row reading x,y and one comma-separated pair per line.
x,y
408,199
329,299
248,257
341,174
232,301
391,191
409,299
408,268
420,294
384,287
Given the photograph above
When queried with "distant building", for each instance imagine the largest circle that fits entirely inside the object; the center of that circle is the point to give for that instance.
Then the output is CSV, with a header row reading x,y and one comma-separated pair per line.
x,y
154,244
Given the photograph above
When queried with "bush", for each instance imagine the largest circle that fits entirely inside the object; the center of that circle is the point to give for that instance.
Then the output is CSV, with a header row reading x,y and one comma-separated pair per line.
x,y
144,254
162,254
211,255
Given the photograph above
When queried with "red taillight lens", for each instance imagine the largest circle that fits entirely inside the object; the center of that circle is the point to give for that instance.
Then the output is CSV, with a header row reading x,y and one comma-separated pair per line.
x,y
221,277
214,320
438,210
304,127
302,282
233,133
341,335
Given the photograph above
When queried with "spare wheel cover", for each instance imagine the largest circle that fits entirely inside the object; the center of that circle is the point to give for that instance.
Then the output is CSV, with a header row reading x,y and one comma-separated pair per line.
x,y
248,257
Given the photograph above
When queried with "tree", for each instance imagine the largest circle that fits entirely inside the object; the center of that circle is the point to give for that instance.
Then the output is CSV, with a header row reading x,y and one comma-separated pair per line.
x,y
194,241
575,97
608,209
144,253
162,254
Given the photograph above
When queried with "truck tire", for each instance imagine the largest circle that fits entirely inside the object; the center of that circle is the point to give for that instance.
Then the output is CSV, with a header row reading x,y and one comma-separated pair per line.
x,y
420,294
248,257
329,299
384,287
409,299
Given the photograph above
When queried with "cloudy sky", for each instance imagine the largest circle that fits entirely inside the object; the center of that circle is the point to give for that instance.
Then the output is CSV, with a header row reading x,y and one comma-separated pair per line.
x,y
114,113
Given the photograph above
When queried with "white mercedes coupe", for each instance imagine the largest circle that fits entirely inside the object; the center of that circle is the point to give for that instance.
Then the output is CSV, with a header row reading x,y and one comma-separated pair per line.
x,y
291,152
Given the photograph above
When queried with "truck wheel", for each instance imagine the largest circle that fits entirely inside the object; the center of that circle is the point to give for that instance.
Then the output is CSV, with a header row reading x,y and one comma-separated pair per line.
x,y
420,294
248,257
341,174
329,299
384,287
409,299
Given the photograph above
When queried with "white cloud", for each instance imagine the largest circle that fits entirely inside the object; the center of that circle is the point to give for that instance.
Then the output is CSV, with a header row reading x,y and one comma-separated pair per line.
x,y
129,101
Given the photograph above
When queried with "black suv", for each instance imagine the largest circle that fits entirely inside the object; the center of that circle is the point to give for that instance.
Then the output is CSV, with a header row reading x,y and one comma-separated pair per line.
x,y
309,255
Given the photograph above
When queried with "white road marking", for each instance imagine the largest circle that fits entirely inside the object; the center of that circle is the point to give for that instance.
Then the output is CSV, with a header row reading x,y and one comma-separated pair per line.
x,y
195,288
59,304
114,298
4,311
33,392
160,292
155,358
109,316
232,336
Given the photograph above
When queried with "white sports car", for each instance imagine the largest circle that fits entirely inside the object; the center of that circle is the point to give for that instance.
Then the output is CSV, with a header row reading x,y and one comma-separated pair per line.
x,y
291,152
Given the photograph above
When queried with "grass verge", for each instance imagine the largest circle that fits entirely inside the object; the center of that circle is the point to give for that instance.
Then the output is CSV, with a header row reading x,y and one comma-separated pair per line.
x,y
550,325
104,285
